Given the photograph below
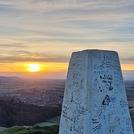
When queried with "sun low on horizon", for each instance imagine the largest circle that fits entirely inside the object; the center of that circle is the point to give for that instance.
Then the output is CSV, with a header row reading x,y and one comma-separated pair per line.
x,y
33,67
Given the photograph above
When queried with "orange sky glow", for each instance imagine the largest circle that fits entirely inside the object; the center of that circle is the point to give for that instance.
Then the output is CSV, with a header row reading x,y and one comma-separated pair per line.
x,y
47,32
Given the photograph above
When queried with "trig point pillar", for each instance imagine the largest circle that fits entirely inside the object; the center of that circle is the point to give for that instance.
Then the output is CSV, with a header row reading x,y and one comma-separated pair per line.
x,y
95,99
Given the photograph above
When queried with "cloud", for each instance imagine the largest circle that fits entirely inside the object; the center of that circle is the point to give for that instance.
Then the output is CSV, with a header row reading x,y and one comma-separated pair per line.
x,y
128,60
52,26
26,56
11,45
128,75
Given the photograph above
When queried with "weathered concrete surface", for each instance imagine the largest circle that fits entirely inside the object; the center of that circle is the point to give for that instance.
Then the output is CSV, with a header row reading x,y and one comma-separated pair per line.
x,y
95,99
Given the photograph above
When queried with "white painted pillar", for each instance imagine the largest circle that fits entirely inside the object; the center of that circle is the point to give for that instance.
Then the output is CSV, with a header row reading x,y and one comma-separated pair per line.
x,y
95,99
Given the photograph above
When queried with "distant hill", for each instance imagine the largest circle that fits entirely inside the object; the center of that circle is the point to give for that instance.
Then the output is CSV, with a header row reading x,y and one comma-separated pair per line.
x,y
13,80
4,79
13,113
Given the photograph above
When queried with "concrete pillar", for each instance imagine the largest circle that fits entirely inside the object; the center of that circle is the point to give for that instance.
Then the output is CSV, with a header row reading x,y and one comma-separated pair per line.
x,y
95,99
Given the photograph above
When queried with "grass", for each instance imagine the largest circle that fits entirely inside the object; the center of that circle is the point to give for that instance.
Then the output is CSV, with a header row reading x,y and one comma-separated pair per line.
x,y
32,130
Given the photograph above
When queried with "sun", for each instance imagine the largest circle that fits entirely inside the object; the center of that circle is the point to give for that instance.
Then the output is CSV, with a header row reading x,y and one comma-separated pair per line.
x,y
33,67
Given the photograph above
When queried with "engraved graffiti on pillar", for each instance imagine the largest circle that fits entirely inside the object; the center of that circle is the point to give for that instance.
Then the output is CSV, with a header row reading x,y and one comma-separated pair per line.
x,y
96,83
122,131
65,108
110,62
65,113
79,109
107,80
94,121
71,128
117,120
106,77
97,128
113,99
113,121
123,103
78,86
106,100
111,130
101,111
104,103
79,125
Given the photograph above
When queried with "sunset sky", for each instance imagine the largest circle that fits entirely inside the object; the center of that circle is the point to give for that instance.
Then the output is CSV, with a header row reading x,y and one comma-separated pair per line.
x,y
46,32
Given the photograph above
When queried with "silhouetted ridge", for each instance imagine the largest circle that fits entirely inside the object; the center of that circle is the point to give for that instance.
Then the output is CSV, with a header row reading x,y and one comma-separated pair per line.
x,y
13,113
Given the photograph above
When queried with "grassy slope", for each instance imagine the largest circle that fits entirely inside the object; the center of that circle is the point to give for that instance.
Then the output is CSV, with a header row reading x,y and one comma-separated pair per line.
x,y
19,114
32,130
42,128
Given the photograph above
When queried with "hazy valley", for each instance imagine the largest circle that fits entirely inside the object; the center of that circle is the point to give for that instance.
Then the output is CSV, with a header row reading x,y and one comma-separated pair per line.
x,y
25,102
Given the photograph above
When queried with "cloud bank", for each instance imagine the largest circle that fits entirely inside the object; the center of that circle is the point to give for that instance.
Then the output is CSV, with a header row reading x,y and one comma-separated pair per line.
x,y
55,28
